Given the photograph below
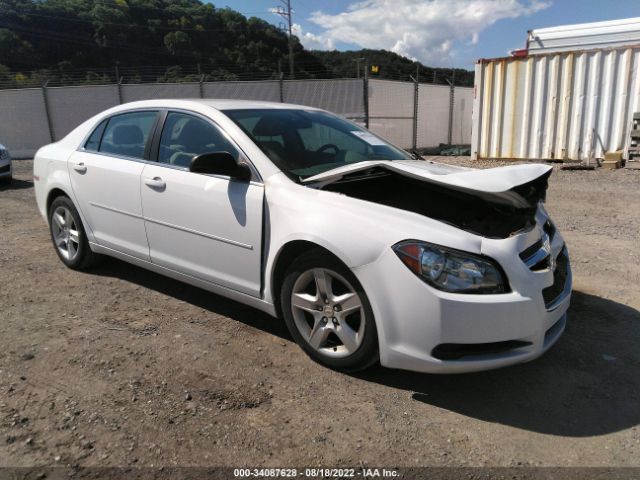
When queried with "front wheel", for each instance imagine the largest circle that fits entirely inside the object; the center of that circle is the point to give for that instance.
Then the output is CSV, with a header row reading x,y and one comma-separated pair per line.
x,y
328,313
68,235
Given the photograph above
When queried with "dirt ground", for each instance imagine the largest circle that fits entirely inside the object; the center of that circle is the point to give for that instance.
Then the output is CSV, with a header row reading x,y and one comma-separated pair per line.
x,y
123,367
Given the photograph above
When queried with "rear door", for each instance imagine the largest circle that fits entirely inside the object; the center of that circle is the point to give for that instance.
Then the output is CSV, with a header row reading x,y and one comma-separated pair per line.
x,y
206,226
105,177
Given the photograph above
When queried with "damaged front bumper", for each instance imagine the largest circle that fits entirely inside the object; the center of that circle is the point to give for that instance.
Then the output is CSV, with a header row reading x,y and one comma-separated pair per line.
x,y
427,330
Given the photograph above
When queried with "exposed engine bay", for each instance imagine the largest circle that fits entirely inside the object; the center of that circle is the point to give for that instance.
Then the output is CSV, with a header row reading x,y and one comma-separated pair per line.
x,y
489,214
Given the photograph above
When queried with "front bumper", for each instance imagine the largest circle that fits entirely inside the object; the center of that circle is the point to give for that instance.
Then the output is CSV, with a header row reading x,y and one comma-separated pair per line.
x,y
416,322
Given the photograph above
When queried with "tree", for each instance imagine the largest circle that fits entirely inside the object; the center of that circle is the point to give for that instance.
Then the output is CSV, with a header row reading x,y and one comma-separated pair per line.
x,y
82,40
176,42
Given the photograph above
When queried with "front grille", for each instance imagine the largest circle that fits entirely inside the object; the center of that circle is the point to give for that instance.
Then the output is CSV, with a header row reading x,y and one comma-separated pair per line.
x,y
456,351
530,251
556,292
4,155
537,256
550,229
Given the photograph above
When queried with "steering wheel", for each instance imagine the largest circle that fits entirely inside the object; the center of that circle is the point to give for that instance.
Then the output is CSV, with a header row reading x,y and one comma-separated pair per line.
x,y
327,146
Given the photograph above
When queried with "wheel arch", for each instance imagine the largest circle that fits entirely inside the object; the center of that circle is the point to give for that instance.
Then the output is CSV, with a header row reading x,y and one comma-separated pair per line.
x,y
54,193
283,260
59,191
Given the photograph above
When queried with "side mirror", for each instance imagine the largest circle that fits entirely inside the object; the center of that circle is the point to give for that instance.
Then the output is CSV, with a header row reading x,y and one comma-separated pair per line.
x,y
220,163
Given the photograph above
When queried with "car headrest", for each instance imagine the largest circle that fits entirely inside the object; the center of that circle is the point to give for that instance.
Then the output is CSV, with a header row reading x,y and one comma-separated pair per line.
x,y
127,135
195,134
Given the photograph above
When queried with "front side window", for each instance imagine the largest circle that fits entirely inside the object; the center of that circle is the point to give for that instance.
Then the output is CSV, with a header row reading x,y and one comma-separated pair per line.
x,y
126,134
184,136
303,143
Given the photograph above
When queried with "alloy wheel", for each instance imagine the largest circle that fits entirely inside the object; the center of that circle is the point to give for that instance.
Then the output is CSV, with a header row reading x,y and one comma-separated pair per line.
x,y
328,312
65,233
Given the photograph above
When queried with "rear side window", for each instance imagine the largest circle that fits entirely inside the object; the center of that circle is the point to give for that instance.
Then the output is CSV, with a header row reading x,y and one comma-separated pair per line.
x,y
93,143
127,134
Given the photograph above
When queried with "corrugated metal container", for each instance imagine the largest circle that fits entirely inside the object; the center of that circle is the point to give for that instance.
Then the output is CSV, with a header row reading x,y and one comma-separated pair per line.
x,y
570,105
610,34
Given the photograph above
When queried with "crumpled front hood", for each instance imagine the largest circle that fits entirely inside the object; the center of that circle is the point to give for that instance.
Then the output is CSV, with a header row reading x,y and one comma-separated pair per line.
x,y
492,203
490,180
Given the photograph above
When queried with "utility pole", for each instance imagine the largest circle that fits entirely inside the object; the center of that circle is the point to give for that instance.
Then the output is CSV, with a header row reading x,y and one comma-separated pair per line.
x,y
285,12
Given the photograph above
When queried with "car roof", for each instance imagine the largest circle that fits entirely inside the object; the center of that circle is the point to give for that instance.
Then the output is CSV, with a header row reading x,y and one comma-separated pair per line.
x,y
218,104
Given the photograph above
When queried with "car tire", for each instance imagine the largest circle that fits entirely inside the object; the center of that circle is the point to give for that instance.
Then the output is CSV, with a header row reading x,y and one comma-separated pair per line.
x,y
68,235
333,323
6,180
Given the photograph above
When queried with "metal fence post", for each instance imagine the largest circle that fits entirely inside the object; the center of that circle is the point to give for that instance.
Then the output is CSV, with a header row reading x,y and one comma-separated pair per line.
x,y
281,86
365,86
119,85
119,82
201,86
452,93
416,87
45,100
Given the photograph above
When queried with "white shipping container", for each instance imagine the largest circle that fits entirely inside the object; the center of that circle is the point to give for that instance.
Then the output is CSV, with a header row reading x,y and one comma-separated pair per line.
x,y
567,105
609,34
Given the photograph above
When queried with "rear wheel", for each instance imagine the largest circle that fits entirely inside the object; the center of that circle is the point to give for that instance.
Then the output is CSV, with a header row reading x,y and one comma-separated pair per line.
x,y
68,235
328,313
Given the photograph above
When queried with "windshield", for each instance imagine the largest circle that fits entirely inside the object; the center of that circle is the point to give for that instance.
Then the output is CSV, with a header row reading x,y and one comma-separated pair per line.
x,y
303,143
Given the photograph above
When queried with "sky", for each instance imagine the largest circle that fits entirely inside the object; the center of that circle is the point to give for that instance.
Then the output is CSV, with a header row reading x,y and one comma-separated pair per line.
x,y
440,33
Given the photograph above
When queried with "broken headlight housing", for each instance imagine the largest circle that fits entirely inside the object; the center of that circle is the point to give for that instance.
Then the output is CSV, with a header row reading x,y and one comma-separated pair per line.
x,y
451,270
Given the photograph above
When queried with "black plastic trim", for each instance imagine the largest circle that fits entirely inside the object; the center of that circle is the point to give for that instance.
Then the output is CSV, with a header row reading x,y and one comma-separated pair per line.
x,y
457,351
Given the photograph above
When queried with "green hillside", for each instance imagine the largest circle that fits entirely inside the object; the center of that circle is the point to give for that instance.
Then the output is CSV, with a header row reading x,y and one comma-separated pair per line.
x,y
81,41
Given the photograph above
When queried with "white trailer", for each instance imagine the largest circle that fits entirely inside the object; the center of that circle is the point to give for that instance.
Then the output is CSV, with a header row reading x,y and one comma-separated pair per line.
x,y
583,36
565,104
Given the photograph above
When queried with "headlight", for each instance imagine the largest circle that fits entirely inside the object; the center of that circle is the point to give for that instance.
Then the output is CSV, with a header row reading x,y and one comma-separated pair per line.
x,y
451,270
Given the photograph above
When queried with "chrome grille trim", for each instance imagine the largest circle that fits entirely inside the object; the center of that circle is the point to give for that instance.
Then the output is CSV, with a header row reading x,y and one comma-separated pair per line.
x,y
561,274
543,253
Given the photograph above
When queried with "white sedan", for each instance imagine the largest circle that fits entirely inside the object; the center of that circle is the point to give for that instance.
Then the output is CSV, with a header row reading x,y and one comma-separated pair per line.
x,y
367,253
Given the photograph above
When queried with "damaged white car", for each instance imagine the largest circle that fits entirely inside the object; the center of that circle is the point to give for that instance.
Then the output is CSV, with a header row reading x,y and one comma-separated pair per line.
x,y
366,253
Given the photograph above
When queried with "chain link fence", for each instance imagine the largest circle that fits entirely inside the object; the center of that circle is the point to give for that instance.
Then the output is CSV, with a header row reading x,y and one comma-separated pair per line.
x,y
412,115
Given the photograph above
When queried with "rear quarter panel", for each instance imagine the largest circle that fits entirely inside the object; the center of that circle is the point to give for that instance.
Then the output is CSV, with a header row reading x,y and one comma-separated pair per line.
x,y
50,169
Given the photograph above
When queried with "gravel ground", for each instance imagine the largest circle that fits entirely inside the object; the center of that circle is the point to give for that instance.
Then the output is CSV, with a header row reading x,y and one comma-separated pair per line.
x,y
123,367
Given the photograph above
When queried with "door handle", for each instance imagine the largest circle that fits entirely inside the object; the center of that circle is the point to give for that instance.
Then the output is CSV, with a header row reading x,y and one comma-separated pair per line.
x,y
155,182
80,167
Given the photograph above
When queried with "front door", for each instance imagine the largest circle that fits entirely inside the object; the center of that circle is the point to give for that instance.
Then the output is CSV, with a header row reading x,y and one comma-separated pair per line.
x,y
208,227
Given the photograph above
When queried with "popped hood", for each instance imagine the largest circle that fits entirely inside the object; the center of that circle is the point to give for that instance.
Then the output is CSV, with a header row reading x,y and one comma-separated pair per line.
x,y
493,203
490,180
